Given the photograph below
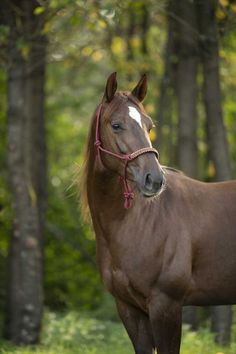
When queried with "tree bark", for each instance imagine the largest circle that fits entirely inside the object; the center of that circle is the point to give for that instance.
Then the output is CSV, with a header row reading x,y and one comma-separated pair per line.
x,y
163,104
221,321
183,22
164,117
186,51
27,170
144,27
218,146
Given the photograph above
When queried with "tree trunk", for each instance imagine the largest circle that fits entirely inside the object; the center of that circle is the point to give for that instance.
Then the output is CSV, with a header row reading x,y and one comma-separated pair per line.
x,y
163,104
221,321
27,169
186,51
183,23
144,27
218,147
217,140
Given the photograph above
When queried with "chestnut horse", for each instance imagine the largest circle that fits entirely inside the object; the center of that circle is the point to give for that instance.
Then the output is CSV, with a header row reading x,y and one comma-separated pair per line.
x,y
174,242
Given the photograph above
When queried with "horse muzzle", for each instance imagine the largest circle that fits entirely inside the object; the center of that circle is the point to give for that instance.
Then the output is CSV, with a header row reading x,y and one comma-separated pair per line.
x,y
152,184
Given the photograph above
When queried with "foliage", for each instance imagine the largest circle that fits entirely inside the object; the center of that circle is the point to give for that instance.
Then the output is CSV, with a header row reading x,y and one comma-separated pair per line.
x,y
75,333
87,41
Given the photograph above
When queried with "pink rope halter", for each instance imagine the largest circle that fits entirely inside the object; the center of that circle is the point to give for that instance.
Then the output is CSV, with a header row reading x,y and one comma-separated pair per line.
x,y
128,193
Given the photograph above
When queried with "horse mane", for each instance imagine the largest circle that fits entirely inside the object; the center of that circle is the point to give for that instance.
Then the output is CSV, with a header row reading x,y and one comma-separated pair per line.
x,y
172,169
85,170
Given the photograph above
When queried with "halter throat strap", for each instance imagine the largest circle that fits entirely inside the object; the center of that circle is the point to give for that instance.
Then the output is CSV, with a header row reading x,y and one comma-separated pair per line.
x,y
128,193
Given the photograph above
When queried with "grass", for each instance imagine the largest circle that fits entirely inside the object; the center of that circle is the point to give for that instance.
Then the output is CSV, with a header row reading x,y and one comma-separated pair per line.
x,y
74,333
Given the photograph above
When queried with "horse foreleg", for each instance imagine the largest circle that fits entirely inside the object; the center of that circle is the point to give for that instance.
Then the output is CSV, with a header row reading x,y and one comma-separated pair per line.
x,y
165,316
137,326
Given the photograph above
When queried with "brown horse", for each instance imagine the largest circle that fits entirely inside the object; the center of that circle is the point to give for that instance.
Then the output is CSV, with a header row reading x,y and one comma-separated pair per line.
x,y
173,245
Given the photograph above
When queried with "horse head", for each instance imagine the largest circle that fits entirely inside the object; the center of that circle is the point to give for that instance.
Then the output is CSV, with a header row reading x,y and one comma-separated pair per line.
x,y
122,137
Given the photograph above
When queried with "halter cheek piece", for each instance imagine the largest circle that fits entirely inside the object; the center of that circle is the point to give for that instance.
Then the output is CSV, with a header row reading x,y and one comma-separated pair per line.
x,y
128,193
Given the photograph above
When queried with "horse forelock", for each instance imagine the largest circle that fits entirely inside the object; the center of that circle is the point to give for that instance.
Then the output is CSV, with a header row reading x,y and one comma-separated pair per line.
x,y
121,99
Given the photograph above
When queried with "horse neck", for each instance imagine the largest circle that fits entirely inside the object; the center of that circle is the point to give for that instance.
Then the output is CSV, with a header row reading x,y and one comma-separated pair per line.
x,y
104,192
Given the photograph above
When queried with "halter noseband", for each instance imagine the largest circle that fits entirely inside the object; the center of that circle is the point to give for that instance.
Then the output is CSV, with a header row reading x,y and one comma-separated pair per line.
x,y
128,193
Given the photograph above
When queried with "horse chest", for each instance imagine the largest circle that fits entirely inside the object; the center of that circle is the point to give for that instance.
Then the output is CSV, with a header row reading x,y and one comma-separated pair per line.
x,y
131,268
123,288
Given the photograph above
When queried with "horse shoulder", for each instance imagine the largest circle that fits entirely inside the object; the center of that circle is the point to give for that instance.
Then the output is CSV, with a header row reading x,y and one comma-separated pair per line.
x,y
104,263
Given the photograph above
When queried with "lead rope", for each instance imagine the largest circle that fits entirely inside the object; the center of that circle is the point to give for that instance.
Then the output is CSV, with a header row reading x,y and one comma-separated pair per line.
x,y
128,192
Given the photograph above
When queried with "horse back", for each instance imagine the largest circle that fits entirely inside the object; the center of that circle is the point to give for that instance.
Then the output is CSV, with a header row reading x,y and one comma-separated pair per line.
x,y
214,246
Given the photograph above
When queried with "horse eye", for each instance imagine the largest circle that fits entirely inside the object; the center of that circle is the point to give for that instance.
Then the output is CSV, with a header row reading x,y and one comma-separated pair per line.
x,y
116,126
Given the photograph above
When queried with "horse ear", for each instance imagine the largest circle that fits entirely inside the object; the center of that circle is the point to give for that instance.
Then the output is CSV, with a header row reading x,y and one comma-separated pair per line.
x,y
111,87
140,90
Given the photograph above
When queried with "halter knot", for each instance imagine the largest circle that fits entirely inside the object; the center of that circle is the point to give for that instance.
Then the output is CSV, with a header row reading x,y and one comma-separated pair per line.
x,y
129,157
129,196
97,143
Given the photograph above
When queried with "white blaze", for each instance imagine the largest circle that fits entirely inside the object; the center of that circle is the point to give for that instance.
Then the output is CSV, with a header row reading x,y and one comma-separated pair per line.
x,y
134,114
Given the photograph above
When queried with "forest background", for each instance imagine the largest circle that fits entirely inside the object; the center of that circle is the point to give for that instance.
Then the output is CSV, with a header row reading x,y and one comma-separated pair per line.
x,y
55,58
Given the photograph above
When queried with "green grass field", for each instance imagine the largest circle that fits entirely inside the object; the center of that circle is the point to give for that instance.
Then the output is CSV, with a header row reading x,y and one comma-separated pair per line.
x,y
74,333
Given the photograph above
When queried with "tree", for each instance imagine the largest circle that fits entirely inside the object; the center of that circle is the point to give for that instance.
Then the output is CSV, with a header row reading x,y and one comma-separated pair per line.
x,y
183,37
26,50
186,53
194,37
209,52
217,141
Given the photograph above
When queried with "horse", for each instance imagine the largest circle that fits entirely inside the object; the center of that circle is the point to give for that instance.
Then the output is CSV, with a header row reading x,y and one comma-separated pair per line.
x,y
163,240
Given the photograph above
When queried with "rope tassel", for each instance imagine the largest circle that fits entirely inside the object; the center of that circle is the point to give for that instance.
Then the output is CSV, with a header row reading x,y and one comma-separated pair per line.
x,y
129,196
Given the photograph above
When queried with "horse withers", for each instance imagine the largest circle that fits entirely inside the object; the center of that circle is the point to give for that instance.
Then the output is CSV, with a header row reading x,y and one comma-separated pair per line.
x,y
164,240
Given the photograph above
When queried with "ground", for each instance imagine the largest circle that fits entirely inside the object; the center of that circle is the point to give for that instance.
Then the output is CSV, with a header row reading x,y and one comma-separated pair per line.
x,y
75,333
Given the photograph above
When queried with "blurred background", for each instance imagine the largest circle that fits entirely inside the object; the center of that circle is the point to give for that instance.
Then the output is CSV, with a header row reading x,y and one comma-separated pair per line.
x,y
55,57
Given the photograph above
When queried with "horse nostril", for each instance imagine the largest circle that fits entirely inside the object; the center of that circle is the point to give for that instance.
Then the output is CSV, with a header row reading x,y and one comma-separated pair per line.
x,y
149,181
153,184
158,184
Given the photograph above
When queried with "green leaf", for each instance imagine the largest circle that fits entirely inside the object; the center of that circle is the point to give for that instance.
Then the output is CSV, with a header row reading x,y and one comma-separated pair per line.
x,y
39,10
